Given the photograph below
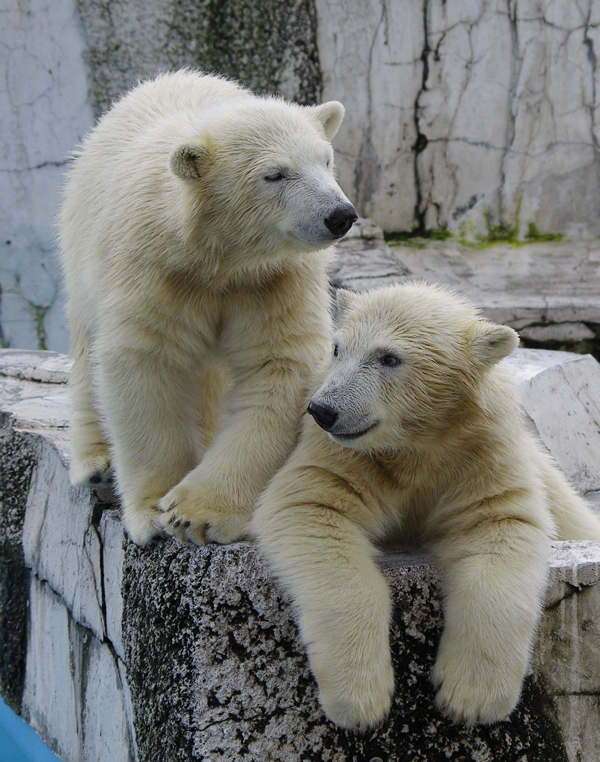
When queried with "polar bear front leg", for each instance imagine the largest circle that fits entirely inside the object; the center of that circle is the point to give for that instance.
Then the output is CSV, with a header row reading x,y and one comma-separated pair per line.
x,y
215,501
90,458
327,564
148,402
494,579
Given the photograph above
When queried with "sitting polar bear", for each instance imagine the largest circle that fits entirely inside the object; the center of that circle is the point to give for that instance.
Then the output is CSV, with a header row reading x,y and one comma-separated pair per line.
x,y
193,233
425,443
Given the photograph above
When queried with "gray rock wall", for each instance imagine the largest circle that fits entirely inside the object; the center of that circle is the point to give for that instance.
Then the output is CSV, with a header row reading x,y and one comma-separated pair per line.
x,y
45,111
468,114
16,459
477,116
166,653
269,45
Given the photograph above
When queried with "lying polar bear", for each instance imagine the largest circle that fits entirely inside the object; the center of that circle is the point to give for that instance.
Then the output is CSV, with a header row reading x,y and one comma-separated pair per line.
x,y
419,436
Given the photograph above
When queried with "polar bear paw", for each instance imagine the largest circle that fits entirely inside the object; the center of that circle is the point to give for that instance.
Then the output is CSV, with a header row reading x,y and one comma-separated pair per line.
x,y
360,711
356,697
188,519
471,692
93,472
142,523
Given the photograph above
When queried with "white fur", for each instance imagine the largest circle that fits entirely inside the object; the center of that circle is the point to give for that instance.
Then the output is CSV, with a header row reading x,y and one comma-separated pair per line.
x,y
194,246
444,461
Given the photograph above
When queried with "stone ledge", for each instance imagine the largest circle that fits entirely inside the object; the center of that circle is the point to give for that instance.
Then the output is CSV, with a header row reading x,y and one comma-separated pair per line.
x,y
170,652
549,292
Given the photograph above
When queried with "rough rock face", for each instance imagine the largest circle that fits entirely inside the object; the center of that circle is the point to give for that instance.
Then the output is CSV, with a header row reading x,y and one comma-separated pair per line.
x,y
454,116
214,661
16,464
268,45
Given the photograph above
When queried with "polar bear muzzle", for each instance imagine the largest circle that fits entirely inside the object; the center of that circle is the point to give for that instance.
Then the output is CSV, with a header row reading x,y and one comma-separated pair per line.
x,y
323,415
341,220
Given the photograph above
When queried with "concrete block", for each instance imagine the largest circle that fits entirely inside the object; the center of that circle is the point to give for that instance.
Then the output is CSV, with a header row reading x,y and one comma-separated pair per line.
x,y
51,699
45,112
364,263
567,655
46,367
557,332
107,717
17,456
227,679
531,285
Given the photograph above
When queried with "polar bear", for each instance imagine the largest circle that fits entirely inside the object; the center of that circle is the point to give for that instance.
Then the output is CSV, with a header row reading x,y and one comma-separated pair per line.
x,y
195,235
420,439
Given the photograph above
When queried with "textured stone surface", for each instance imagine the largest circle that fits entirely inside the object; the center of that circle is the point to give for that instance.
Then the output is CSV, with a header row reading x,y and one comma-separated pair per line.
x,y
49,367
31,405
549,292
560,332
268,45
16,465
565,664
243,690
560,392
75,694
467,115
61,542
112,540
365,261
538,283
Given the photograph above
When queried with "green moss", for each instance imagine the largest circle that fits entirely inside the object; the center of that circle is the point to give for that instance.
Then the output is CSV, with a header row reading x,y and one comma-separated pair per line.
x,y
533,234
39,314
418,238
466,235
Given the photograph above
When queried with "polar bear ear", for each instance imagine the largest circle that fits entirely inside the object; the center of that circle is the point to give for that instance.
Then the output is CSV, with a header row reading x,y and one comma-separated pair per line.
x,y
330,116
493,342
343,300
190,161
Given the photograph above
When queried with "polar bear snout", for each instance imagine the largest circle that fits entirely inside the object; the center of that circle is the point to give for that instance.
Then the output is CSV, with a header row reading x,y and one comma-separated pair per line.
x,y
345,421
323,415
341,220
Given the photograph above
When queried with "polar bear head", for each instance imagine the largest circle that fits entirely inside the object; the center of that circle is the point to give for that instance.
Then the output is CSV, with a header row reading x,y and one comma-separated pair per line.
x,y
259,173
408,362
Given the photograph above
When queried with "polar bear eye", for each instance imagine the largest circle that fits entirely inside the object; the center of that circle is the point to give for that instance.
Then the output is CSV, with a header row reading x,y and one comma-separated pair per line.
x,y
274,177
390,361
335,350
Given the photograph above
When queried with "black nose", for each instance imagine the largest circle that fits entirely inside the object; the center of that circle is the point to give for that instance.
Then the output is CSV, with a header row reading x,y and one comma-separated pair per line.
x,y
341,220
324,416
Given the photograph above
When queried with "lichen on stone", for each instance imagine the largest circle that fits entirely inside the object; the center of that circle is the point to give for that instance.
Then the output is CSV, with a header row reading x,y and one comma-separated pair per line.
x,y
269,46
